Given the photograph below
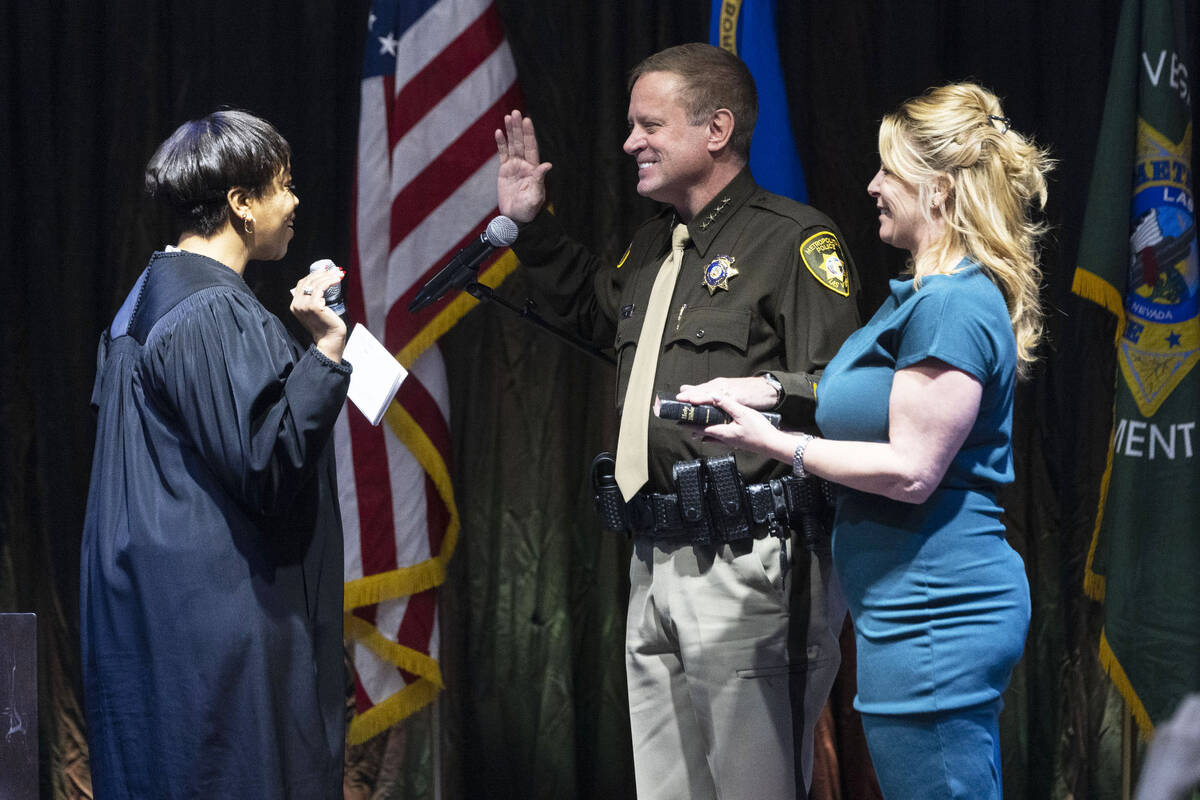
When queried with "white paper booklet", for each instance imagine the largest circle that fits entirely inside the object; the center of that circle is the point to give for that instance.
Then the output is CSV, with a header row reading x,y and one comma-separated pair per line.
x,y
377,374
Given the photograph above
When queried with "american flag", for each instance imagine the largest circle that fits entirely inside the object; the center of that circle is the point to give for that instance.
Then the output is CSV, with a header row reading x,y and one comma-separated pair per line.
x,y
437,80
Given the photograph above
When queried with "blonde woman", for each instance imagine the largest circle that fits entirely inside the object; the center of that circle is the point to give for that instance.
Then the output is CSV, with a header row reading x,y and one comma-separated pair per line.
x,y
916,416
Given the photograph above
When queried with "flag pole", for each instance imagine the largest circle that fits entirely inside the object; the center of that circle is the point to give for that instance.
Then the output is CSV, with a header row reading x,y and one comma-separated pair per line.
x,y
1127,738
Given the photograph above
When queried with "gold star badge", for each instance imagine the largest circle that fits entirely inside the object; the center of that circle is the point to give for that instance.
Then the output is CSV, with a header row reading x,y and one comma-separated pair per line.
x,y
718,273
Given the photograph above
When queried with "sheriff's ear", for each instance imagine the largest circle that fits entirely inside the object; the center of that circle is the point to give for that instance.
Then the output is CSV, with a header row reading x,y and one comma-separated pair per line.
x,y
720,129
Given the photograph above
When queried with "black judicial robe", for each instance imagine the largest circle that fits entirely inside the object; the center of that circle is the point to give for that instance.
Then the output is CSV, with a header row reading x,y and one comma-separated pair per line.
x,y
211,575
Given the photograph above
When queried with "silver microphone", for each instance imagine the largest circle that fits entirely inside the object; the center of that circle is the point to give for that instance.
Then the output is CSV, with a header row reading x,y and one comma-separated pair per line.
x,y
333,295
462,269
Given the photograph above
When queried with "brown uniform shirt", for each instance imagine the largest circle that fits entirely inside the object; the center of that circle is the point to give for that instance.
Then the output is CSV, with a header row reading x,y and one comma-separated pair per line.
x,y
765,286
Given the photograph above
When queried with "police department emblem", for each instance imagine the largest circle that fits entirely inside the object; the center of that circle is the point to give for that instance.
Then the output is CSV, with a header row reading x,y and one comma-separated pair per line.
x,y
834,266
718,272
822,254
1161,341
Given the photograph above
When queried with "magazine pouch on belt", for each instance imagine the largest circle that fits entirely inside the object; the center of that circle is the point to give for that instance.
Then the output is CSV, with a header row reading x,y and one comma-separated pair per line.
x,y
725,493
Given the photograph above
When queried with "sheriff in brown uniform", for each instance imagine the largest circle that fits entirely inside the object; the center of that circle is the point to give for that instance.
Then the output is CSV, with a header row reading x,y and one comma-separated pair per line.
x,y
731,633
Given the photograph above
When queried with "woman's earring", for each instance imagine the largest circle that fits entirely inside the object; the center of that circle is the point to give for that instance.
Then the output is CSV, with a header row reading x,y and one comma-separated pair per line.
x,y
248,225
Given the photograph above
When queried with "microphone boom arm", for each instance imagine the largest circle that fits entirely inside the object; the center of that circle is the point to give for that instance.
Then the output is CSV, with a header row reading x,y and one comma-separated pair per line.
x,y
529,313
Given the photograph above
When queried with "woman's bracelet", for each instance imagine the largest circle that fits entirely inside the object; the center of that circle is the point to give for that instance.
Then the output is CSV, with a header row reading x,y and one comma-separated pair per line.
x,y
798,456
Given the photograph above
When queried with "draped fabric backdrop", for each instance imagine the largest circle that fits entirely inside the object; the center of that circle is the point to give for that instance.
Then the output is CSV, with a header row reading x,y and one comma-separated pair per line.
x,y
531,611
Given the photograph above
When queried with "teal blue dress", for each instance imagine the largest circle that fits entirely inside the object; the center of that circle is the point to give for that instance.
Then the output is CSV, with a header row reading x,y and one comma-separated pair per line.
x,y
940,601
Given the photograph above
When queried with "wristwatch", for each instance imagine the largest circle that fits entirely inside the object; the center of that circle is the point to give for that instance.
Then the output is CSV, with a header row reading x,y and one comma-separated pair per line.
x,y
774,383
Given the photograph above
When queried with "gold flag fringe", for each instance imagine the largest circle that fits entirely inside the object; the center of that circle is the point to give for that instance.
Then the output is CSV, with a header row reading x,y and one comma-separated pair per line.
x,y
411,579
379,718
1116,673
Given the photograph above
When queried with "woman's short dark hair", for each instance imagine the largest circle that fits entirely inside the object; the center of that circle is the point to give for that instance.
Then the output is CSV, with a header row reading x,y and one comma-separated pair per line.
x,y
197,165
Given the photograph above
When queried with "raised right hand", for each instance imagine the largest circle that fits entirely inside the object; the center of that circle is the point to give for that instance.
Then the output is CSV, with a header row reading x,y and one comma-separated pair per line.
x,y
521,181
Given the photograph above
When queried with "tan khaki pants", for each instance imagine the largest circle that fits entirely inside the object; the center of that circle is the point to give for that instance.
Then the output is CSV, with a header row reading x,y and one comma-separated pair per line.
x,y
727,667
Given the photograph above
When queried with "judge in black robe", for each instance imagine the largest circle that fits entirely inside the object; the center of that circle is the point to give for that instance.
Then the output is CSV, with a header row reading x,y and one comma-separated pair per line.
x,y
212,551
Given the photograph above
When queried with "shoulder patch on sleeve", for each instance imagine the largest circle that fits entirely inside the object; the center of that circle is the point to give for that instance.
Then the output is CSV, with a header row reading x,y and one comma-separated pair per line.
x,y
822,254
621,263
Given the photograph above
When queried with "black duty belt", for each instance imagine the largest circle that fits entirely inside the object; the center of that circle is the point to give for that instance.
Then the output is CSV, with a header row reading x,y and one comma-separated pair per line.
x,y
712,504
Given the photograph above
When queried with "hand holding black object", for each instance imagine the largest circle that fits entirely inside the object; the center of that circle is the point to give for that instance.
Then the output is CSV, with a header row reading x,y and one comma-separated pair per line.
x,y
747,429
703,414
328,330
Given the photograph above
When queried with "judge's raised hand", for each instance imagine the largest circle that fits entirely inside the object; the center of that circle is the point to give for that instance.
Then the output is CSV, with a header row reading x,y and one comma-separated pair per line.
x,y
521,182
308,306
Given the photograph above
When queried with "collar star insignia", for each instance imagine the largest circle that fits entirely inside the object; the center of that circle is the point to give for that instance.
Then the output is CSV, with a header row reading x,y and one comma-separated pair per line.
x,y
718,272
716,212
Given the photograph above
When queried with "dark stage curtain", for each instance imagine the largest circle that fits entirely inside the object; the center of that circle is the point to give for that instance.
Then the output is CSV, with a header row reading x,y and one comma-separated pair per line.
x,y
532,612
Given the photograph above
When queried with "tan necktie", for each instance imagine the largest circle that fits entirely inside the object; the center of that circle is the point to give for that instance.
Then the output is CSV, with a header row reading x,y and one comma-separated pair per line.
x,y
633,470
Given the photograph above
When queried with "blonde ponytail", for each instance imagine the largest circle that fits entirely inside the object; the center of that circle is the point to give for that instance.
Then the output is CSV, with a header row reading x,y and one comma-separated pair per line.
x,y
957,139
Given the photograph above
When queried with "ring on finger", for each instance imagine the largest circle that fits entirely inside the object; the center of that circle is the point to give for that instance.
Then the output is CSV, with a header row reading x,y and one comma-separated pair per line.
x,y
308,290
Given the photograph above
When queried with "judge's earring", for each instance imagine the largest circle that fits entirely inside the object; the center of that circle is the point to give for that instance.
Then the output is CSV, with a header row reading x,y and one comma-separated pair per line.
x,y
248,225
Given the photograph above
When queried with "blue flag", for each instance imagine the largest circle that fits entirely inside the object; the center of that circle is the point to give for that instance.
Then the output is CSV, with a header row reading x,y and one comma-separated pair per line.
x,y
746,28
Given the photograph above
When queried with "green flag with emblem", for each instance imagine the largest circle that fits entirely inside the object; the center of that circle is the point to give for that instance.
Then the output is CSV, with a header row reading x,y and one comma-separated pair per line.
x,y
1138,259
